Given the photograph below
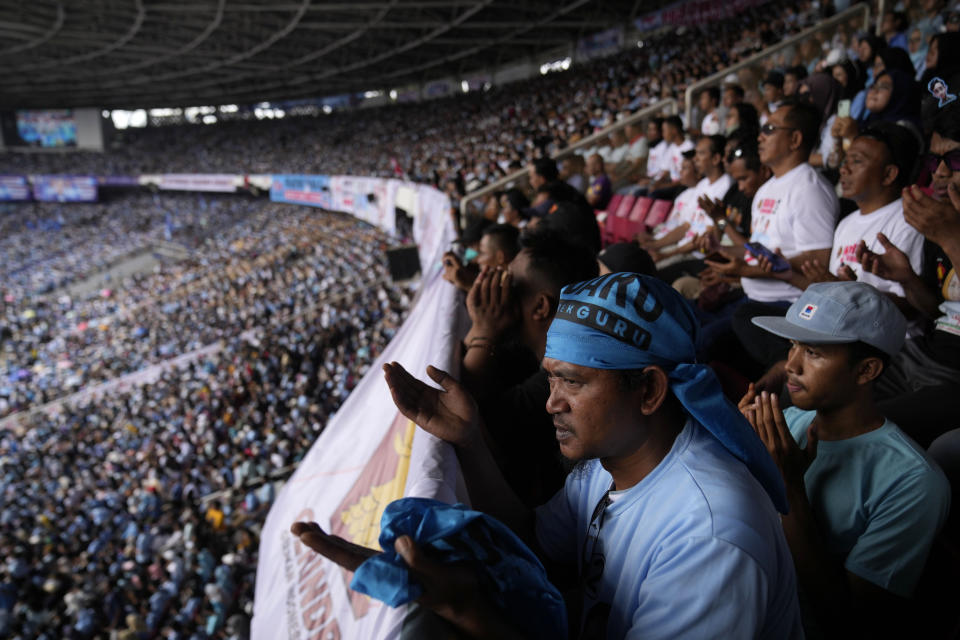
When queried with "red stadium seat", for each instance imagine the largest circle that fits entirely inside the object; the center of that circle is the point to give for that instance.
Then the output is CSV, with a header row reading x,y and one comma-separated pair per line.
x,y
635,221
606,229
658,213
620,218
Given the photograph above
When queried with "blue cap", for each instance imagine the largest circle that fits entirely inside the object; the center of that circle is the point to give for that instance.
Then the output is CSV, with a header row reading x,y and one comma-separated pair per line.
x,y
841,313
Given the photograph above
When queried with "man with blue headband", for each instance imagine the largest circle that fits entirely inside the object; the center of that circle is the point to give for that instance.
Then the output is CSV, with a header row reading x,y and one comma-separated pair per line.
x,y
670,517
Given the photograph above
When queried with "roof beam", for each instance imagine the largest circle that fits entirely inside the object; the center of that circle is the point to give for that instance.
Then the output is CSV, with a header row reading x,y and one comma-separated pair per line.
x,y
320,7
433,24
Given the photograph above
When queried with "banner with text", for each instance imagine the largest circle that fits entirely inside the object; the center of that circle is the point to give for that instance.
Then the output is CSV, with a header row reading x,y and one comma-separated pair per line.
x,y
368,456
64,188
309,190
214,182
402,209
14,188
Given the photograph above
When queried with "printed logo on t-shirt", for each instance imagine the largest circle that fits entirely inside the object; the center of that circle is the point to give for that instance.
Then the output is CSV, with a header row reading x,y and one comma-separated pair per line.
x,y
767,206
807,312
847,254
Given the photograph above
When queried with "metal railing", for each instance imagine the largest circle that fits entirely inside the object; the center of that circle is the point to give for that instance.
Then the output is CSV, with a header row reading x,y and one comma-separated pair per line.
x,y
756,61
663,106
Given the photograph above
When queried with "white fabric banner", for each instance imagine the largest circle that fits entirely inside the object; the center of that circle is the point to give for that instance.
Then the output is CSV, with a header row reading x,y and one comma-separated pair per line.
x,y
368,456
218,182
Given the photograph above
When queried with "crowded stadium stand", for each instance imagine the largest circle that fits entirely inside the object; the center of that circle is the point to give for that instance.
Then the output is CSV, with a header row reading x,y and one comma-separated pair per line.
x,y
680,279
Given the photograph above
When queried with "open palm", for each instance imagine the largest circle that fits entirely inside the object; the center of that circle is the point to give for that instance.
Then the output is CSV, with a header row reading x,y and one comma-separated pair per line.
x,y
450,414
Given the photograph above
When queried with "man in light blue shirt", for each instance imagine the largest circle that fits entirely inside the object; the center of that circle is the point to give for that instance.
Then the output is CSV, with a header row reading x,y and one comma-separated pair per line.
x,y
865,500
670,519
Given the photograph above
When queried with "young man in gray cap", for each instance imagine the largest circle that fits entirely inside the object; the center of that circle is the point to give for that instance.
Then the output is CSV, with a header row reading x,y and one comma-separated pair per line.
x,y
865,500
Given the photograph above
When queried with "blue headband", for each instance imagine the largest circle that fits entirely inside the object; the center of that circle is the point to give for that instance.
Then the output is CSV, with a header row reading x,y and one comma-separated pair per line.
x,y
630,321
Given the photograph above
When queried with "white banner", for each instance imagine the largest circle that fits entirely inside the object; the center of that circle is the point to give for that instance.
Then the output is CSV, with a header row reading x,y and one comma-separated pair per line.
x,y
219,182
367,457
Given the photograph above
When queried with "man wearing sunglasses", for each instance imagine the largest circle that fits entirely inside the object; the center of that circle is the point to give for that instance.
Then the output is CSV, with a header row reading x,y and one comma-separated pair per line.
x,y
794,212
877,167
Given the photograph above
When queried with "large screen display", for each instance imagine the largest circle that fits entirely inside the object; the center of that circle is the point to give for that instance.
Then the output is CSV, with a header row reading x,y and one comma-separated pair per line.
x,y
51,128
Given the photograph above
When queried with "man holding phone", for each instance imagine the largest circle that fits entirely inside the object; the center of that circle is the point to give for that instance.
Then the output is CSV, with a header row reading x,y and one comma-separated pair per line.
x,y
794,212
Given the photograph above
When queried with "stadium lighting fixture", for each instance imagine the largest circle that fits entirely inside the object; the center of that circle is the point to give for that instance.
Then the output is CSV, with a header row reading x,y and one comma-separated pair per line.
x,y
209,119
465,86
165,112
372,94
393,94
121,119
327,108
556,65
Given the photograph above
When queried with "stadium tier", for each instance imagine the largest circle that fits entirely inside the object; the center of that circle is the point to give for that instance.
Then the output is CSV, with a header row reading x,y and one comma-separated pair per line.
x,y
679,356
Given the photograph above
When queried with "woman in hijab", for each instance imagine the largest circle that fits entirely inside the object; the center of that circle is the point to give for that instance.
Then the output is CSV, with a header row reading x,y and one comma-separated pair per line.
x,y
847,74
917,47
894,97
892,58
867,49
743,118
824,92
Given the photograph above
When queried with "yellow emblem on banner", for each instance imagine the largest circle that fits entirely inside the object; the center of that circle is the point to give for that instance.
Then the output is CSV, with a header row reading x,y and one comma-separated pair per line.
x,y
362,518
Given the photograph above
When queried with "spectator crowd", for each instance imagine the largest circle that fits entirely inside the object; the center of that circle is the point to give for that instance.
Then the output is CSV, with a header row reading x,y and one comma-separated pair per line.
x,y
162,487
786,339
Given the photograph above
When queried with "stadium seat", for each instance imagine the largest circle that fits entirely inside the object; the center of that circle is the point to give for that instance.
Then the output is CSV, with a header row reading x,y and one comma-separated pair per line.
x,y
620,219
606,229
637,217
658,213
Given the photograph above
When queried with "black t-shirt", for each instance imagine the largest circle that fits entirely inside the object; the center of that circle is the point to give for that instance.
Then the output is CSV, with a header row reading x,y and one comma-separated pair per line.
x,y
738,206
942,346
524,438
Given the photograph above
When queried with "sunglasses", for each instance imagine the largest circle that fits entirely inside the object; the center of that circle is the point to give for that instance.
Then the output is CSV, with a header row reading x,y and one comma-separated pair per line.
x,y
593,559
739,152
930,162
769,129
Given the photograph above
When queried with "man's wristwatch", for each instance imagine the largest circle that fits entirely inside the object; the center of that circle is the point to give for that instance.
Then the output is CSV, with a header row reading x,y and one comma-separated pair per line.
x,y
722,225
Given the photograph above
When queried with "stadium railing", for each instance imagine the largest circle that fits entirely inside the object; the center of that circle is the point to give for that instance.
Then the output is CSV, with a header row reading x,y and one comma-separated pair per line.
x,y
516,178
783,54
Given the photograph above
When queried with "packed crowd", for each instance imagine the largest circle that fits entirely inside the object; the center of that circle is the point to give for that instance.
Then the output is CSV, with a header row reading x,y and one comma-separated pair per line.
x,y
47,246
428,142
830,322
263,269
808,259
163,487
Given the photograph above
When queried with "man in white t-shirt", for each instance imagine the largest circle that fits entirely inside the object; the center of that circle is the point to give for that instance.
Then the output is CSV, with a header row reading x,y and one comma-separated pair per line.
x,y
632,167
713,120
677,143
794,212
655,166
682,257
675,226
875,170
618,148
877,166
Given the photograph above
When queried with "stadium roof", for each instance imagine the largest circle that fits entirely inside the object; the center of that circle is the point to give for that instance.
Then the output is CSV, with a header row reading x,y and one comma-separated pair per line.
x,y
155,53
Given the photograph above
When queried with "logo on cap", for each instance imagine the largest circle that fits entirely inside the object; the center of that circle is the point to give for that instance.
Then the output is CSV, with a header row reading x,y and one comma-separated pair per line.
x,y
807,312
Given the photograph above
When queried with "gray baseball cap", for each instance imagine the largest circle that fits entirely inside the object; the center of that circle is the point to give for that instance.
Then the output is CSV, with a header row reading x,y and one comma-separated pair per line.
x,y
841,313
